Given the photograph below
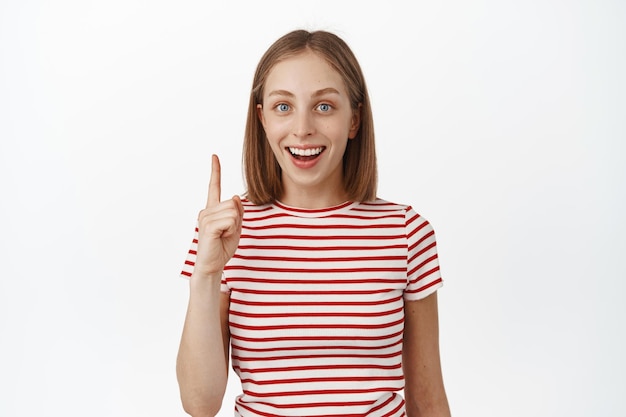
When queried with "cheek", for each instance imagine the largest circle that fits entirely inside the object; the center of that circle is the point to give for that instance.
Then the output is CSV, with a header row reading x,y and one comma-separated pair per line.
x,y
336,130
274,128
274,137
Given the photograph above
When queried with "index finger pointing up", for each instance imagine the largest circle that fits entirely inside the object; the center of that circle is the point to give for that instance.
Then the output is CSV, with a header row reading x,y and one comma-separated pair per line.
x,y
215,187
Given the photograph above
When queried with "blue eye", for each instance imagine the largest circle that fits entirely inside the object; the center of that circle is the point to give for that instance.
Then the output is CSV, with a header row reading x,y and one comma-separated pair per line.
x,y
324,107
282,107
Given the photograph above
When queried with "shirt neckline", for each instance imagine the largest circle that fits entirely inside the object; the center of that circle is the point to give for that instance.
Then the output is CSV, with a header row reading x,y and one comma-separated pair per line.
x,y
320,212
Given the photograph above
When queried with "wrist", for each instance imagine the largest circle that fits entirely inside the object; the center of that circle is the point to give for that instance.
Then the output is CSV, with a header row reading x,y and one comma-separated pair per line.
x,y
207,274
206,280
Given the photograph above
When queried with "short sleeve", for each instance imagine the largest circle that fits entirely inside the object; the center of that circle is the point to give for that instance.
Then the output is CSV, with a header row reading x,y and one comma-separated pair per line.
x,y
190,262
423,273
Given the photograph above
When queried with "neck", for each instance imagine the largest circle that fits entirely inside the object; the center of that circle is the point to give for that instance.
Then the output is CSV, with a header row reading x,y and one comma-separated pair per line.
x,y
314,198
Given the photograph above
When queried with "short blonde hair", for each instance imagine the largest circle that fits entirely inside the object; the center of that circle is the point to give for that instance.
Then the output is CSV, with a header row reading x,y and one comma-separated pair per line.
x,y
261,170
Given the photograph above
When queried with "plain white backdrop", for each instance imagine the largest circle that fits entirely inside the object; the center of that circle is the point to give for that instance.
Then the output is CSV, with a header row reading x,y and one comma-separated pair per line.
x,y
502,122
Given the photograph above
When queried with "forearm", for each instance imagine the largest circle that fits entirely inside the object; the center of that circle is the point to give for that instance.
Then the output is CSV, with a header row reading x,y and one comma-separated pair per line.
x,y
432,407
202,360
424,389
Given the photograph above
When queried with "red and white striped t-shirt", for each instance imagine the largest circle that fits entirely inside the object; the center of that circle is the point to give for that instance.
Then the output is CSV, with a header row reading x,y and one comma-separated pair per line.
x,y
316,306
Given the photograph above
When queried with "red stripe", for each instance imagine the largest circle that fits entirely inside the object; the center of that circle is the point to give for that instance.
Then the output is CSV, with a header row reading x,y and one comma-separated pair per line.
x,y
323,379
315,303
425,274
252,209
266,217
379,210
315,326
395,410
320,392
425,287
256,370
384,404
316,314
422,251
422,239
310,292
313,270
318,281
417,229
313,338
334,347
319,248
311,259
338,237
340,405
308,357
376,215
424,263
325,226
318,404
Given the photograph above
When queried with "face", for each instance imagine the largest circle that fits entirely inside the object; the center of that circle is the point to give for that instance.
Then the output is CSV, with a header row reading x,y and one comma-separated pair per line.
x,y
308,121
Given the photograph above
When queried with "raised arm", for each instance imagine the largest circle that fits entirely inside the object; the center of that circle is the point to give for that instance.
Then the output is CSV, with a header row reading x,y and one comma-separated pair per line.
x,y
424,389
202,363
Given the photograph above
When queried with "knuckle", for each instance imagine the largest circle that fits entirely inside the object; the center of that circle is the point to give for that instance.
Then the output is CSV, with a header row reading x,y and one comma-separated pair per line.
x,y
203,214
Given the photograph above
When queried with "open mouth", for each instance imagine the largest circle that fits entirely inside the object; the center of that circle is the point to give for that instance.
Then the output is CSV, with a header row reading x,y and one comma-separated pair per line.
x,y
306,154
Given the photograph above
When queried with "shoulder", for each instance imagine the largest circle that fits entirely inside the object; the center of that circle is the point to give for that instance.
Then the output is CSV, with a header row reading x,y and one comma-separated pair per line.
x,y
413,221
381,205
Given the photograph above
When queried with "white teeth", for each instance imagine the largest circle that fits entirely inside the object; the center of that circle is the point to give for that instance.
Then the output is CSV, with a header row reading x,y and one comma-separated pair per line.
x,y
306,152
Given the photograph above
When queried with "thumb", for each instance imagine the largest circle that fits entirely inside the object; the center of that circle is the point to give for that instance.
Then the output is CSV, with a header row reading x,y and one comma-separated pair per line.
x,y
239,205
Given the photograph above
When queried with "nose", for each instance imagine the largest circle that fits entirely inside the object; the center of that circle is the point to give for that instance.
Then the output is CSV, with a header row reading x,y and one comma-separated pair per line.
x,y
303,125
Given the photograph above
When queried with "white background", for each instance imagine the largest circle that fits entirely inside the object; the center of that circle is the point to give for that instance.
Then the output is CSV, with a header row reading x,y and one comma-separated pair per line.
x,y
502,122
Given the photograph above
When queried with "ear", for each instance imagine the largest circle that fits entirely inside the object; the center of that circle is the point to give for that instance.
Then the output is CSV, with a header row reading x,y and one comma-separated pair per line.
x,y
259,113
355,123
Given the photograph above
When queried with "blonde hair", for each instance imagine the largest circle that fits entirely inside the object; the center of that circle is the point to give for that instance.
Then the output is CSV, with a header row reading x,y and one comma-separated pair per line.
x,y
261,170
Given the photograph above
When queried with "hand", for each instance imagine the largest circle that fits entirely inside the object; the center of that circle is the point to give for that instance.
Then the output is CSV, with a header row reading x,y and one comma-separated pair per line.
x,y
219,227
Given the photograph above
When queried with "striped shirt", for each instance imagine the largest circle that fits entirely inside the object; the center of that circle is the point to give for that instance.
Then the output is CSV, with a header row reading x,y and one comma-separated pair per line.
x,y
316,306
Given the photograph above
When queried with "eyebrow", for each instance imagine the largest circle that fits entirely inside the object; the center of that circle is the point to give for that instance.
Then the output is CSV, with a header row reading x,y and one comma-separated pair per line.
x,y
318,93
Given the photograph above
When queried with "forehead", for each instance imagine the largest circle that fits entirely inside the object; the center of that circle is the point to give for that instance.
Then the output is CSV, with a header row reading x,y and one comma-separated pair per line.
x,y
303,73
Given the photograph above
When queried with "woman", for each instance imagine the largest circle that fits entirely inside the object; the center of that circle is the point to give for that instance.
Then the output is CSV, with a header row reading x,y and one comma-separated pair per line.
x,y
325,294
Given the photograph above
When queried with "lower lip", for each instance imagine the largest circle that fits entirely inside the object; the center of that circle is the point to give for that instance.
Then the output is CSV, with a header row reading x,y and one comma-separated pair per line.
x,y
304,163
